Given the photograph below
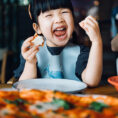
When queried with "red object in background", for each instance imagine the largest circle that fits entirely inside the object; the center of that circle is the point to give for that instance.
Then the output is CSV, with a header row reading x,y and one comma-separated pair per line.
x,y
114,81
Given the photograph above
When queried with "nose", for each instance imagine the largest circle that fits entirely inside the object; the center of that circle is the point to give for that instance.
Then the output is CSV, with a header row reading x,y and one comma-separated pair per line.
x,y
58,18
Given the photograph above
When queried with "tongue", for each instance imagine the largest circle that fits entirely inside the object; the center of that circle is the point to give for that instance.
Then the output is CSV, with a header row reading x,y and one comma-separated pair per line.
x,y
59,33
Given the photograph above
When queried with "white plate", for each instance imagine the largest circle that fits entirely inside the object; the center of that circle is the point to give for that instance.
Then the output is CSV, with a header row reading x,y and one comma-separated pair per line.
x,y
64,85
8,89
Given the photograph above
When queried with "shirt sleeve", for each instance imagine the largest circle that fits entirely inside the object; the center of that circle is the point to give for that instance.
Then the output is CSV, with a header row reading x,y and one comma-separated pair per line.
x,y
82,60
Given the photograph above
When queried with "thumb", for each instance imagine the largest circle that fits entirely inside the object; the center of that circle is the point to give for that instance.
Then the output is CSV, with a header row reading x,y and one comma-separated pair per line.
x,y
81,24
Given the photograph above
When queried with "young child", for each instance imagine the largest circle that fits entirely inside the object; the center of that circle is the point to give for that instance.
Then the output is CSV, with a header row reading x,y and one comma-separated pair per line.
x,y
58,58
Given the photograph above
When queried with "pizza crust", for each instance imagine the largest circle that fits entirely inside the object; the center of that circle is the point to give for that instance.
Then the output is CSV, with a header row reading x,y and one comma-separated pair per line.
x,y
37,40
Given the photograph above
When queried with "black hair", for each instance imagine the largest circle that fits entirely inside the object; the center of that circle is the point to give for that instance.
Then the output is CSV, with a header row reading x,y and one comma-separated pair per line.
x,y
38,6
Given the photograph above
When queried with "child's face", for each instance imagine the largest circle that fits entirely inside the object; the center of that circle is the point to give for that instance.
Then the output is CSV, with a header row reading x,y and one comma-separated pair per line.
x,y
56,26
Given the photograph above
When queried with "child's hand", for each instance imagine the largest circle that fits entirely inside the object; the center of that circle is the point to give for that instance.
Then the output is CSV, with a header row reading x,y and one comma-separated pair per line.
x,y
91,28
28,51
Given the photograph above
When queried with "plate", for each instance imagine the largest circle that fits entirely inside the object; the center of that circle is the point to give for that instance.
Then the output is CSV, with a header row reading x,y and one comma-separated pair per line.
x,y
64,85
8,89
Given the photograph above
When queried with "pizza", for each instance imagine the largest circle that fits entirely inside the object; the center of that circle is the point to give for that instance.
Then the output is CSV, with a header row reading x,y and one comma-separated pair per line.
x,y
54,104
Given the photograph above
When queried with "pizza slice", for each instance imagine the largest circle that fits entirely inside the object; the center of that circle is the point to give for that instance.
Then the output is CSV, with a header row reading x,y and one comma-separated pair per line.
x,y
55,104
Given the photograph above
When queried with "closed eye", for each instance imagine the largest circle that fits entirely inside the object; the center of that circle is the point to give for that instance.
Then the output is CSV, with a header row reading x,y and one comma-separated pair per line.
x,y
49,15
65,12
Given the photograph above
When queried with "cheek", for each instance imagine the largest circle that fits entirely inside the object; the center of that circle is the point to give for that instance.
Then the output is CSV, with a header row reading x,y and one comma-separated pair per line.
x,y
72,22
45,27
71,25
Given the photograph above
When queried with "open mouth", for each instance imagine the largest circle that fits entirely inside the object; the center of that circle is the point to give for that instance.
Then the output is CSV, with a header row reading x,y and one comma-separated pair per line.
x,y
60,31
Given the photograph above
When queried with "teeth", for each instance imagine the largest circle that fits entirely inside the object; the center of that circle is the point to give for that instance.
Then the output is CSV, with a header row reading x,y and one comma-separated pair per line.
x,y
60,29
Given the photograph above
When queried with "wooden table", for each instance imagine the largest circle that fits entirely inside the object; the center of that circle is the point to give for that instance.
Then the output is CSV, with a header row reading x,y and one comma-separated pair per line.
x,y
100,90
5,86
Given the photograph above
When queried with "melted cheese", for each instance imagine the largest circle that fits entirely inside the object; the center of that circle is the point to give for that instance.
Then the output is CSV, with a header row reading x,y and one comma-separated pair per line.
x,y
42,107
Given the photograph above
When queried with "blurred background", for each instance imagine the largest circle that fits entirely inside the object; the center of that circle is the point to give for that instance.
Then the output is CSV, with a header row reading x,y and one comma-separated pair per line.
x,y
15,27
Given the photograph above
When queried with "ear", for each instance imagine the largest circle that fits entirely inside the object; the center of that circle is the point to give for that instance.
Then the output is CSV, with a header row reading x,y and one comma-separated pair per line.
x,y
36,28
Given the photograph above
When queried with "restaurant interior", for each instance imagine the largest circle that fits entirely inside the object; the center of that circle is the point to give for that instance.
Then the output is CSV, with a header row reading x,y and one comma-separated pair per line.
x,y
15,27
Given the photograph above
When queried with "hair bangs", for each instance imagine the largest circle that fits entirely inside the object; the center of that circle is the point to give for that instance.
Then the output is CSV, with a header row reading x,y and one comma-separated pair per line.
x,y
46,5
38,6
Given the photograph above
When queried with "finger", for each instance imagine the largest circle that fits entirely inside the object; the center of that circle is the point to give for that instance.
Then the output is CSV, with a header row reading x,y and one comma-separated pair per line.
x,y
32,56
25,46
92,25
30,51
90,22
27,41
92,19
87,28
81,24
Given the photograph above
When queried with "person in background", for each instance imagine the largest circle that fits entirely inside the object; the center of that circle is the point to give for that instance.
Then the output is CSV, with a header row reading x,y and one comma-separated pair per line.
x,y
114,29
114,44
114,48
59,57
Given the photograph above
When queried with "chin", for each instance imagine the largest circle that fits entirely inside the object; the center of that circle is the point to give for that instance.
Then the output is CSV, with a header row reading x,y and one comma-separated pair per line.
x,y
61,44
